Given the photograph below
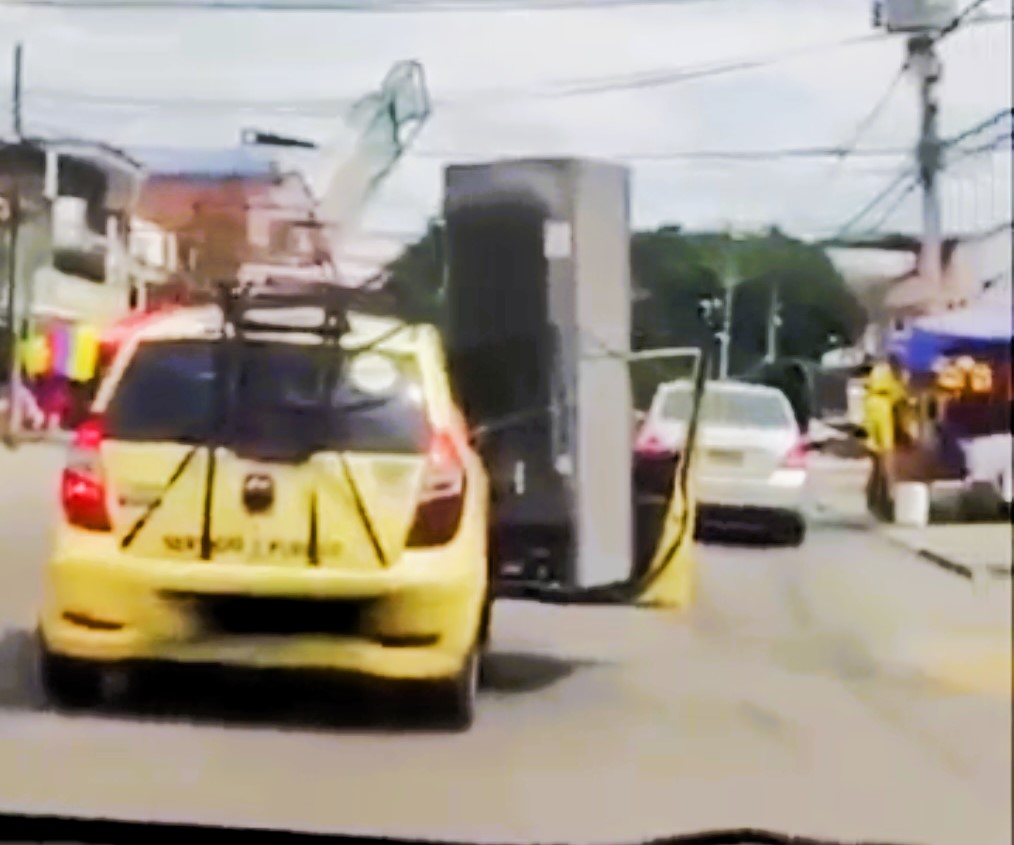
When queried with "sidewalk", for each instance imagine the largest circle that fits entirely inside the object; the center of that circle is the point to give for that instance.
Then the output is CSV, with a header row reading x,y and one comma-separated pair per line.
x,y
971,550
975,551
927,608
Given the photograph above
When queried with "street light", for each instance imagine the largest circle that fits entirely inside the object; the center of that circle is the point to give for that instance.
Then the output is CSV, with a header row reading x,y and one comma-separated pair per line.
x,y
728,274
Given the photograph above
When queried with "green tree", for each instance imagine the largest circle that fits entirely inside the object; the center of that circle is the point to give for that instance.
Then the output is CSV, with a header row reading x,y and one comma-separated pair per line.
x,y
672,271
416,278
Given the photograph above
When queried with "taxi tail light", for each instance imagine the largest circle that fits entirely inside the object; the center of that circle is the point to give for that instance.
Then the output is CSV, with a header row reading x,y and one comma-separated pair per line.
x,y
82,486
795,458
442,496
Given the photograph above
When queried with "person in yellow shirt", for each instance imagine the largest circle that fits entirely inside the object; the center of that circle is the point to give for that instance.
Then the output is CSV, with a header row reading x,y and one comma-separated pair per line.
x,y
885,395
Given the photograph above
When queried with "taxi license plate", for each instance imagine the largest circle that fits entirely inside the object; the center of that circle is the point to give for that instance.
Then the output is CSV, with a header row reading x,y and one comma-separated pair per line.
x,y
725,457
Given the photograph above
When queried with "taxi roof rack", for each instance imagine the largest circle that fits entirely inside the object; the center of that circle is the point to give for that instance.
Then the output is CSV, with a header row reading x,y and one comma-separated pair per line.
x,y
237,301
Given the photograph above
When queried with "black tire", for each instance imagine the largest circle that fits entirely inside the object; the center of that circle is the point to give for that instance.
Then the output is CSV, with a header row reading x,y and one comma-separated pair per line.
x,y
980,503
486,623
69,684
794,532
454,700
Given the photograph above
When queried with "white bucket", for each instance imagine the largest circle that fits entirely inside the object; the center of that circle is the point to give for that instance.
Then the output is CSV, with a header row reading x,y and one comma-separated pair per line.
x,y
912,504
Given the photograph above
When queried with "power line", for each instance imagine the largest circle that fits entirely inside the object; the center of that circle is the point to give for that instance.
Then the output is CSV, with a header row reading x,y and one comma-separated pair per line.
x,y
981,149
996,229
749,155
376,6
893,207
679,155
653,79
551,90
878,107
906,174
962,17
981,126
913,181
656,79
850,148
116,101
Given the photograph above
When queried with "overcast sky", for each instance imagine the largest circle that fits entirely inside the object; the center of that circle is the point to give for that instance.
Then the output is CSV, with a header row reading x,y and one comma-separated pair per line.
x,y
486,70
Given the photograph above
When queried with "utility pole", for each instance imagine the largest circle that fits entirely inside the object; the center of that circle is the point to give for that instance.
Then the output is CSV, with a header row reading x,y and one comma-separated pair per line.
x,y
774,323
925,62
725,336
730,278
16,93
11,208
925,24
11,211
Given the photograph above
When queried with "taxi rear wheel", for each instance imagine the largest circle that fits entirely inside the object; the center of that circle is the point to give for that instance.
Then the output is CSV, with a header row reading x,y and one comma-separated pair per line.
x,y
69,683
486,623
454,699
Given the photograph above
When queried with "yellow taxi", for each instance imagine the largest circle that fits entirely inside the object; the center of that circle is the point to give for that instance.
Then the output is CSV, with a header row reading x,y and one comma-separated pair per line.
x,y
261,490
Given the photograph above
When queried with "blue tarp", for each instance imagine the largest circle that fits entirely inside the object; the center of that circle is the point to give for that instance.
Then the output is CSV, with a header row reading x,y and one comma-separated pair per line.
x,y
978,330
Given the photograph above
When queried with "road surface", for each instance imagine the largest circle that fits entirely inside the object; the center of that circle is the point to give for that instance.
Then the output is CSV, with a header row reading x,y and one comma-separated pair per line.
x,y
843,689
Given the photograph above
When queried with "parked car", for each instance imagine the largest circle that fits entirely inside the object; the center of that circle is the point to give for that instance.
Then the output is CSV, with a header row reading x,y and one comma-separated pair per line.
x,y
752,467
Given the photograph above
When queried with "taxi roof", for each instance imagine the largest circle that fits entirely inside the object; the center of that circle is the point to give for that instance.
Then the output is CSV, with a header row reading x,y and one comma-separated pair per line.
x,y
205,321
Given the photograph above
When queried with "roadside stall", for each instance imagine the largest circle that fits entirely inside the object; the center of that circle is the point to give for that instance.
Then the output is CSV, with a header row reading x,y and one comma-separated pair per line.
x,y
958,423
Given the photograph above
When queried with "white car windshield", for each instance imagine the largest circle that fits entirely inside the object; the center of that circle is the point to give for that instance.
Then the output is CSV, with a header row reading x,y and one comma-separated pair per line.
x,y
753,409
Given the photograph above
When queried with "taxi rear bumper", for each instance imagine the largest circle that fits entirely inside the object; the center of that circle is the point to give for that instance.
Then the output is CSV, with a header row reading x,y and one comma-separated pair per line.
x,y
416,619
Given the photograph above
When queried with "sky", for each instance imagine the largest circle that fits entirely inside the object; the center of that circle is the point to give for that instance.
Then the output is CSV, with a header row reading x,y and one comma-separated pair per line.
x,y
144,77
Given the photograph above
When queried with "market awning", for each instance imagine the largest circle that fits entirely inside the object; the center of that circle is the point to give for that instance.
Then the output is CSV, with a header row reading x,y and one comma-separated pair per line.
x,y
981,329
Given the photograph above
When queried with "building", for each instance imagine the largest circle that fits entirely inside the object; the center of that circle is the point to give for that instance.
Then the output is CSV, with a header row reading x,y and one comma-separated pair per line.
x,y
74,201
886,278
205,215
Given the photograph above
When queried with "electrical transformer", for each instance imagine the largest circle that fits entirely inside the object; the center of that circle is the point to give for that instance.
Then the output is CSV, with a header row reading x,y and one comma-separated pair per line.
x,y
914,16
538,330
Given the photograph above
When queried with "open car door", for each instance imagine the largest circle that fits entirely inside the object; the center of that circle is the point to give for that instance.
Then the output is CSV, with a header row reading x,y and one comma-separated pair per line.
x,y
665,505
661,563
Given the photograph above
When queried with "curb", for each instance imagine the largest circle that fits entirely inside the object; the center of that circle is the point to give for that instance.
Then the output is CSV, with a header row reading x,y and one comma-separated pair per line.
x,y
943,562
955,567
997,570
971,573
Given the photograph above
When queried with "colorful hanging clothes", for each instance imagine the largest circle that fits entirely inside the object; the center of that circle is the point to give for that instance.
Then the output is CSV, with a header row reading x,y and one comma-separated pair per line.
x,y
59,340
84,353
36,356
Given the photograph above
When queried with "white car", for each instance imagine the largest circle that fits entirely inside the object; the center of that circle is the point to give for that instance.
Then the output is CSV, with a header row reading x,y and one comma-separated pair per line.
x,y
751,466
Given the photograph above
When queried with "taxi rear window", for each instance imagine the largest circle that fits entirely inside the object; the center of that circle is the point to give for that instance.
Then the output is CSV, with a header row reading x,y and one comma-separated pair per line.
x,y
284,401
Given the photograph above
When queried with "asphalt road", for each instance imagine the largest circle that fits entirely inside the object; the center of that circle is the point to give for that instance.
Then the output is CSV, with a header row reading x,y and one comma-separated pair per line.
x,y
810,691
